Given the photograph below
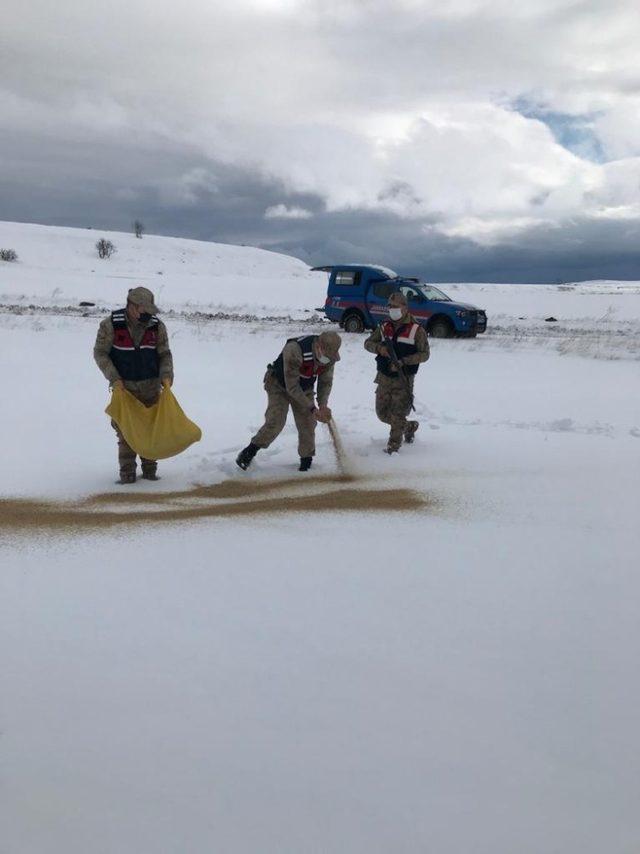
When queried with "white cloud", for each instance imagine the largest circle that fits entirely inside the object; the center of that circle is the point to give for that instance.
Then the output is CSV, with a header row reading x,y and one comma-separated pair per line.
x,y
491,232
619,128
284,212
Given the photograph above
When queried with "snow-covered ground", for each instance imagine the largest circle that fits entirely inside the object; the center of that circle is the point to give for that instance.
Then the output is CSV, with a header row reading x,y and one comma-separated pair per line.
x,y
458,677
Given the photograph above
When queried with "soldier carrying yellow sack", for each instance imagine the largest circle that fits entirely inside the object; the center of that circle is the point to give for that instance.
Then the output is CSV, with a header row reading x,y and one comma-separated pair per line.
x,y
394,392
290,382
132,351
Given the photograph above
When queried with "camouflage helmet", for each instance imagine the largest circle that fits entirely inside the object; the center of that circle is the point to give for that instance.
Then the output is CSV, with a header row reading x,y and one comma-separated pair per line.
x,y
143,297
397,298
330,343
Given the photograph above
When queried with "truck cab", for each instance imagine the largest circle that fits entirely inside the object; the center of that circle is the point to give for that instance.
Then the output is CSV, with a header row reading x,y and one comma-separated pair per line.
x,y
357,299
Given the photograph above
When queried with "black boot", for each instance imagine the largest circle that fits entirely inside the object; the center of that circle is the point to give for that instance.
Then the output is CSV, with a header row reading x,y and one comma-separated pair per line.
x,y
305,463
246,455
149,470
410,431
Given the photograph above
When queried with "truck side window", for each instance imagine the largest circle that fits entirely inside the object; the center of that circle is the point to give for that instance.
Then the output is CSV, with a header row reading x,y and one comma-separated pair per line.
x,y
347,277
382,290
411,295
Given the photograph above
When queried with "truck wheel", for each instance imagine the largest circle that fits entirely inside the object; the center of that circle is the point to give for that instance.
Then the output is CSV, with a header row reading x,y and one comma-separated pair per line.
x,y
440,328
353,323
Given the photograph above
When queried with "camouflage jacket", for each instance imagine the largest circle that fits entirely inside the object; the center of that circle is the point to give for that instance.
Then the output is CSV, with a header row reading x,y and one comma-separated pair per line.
x,y
374,341
292,362
145,390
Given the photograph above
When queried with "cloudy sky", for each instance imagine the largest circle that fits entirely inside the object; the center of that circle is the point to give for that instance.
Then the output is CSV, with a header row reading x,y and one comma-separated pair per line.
x,y
486,140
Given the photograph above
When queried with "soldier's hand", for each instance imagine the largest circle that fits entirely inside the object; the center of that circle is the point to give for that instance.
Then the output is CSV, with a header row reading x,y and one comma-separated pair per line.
x,y
324,414
118,384
382,351
167,382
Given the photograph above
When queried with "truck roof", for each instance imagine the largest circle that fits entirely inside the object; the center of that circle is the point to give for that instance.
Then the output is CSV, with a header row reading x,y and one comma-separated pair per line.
x,y
377,268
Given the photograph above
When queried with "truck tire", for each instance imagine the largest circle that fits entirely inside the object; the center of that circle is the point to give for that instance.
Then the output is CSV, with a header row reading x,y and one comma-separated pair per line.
x,y
440,327
353,322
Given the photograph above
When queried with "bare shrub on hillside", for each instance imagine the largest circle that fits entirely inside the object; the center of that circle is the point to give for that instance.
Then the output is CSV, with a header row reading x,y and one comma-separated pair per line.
x,y
105,248
8,255
138,228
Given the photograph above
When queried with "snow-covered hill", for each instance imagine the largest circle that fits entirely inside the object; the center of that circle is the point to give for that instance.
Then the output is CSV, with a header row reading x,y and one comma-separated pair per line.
x,y
60,266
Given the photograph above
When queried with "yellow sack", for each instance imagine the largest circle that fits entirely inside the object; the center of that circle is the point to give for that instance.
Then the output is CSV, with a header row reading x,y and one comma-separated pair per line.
x,y
154,432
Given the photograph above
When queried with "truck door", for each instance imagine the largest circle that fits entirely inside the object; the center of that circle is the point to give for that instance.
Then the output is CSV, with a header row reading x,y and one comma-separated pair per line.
x,y
418,305
377,300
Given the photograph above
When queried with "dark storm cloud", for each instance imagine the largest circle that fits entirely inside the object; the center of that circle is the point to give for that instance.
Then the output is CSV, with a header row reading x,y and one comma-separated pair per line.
x,y
173,193
578,251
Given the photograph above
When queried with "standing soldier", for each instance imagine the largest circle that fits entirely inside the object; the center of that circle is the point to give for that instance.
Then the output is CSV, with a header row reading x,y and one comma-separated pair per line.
x,y
132,351
289,382
394,394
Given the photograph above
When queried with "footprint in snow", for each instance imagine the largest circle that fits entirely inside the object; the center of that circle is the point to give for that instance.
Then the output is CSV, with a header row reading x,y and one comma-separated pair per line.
x,y
562,425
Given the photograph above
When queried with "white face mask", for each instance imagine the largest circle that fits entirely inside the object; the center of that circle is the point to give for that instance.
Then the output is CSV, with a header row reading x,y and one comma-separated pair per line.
x,y
324,360
395,313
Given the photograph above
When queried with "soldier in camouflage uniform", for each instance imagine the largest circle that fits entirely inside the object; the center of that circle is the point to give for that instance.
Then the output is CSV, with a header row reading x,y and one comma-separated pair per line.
x,y
289,382
394,393
132,351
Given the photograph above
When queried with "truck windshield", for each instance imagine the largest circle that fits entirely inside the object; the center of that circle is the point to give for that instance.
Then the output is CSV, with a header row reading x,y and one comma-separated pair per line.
x,y
431,293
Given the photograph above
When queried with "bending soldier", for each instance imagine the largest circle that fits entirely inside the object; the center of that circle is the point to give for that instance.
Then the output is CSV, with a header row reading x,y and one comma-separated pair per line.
x,y
132,351
290,382
394,392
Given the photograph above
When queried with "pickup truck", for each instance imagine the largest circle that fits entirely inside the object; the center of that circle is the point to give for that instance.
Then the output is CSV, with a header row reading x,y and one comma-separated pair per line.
x,y
357,300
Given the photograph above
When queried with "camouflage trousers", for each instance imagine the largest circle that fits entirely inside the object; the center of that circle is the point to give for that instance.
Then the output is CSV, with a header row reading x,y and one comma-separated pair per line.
x,y
275,418
126,455
393,404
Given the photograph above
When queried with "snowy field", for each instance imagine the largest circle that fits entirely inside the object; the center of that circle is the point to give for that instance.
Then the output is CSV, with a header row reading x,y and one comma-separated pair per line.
x,y
456,676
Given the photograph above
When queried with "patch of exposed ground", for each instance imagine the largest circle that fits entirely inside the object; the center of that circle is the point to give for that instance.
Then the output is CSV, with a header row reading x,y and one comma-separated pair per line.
x,y
92,310
233,498
245,488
